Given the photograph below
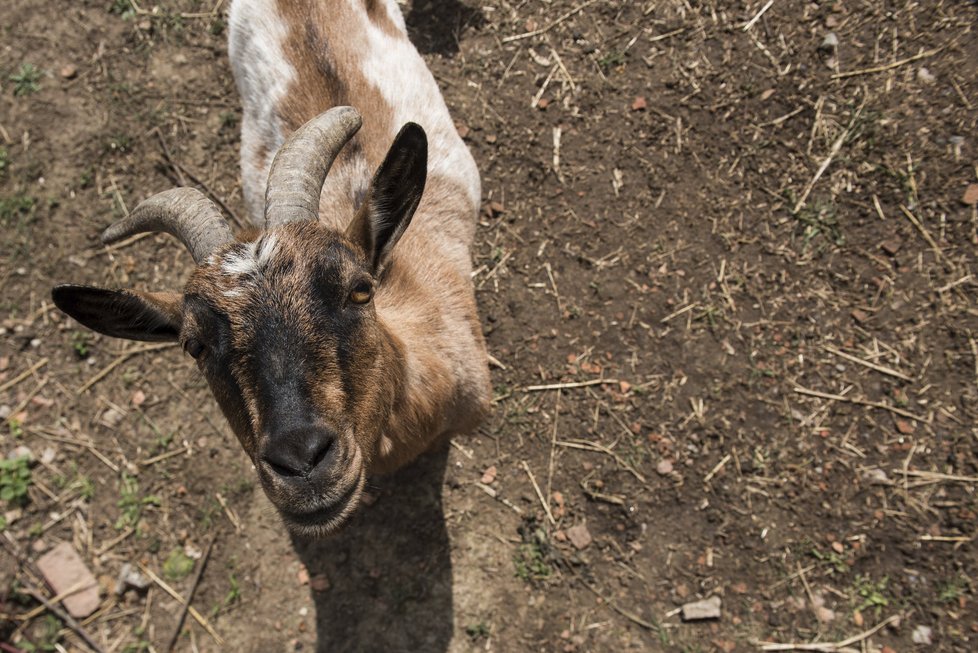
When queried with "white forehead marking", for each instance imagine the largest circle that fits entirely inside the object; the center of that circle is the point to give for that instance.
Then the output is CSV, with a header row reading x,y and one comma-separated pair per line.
x,y
267,249
241,262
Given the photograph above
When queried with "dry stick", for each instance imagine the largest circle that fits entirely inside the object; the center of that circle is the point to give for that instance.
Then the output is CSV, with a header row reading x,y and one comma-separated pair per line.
x,y
122,358
544,30
937,476
553,447
573,384
58,612
592,446
625,613
836,146
923,231
873,366
190,595
232,517
543,502
861,402
164,456
890,66
682,310
828,647
757,16
495,495
23,375
193,611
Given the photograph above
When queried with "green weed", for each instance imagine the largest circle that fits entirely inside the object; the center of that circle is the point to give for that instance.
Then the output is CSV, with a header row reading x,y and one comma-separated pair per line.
x,y
15,478
26,79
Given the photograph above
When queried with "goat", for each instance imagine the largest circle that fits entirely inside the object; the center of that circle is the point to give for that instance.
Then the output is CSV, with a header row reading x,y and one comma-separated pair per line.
x,y
338,342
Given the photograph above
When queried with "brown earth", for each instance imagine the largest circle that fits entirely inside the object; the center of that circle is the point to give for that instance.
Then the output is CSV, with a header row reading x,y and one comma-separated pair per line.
x,y
740,252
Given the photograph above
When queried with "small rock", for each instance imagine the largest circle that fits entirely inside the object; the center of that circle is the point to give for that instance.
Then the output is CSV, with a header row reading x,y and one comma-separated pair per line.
x,y
48,455
319,583
303,575
904,427
838,547
824,615
664,467
5,411
702,610
112,417
130,578
138,398
69,71
491,138
21,452
970,196
639,103
891,246
925,76
489,475
876,475
64,570
579,536
543,103
859,315
830,42
922,635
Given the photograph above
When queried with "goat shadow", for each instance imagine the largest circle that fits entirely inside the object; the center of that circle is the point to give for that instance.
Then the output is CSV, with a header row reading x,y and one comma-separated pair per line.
x,y
389,571
435,26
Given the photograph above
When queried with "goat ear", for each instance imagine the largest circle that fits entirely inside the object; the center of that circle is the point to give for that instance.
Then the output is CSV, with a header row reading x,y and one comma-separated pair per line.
x,y
123,313
393,196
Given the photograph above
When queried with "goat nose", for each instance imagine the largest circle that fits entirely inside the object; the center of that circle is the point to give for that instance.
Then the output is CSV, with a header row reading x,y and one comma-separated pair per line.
x,y
297,452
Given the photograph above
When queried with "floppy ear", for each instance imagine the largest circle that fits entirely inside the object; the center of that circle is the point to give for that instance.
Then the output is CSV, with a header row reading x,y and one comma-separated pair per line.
x,y
123,313
392,197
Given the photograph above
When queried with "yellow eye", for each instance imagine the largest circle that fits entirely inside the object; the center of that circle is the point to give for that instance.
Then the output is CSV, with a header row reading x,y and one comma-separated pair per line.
x,y
361,293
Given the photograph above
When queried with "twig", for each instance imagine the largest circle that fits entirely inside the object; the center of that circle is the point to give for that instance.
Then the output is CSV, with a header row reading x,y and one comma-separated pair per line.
x,y
861,402
937,476
757,16
717,468
682,310
923,231
593,446
164,456
543,501
122,358
836,146
573,384
544,30
190,595
625,613
23,375
890,66
495,495
556,133
827,647
232,517
872,366
179,599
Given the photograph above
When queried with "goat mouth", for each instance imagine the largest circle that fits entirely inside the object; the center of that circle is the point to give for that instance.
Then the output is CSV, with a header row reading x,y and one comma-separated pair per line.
x,y
329,518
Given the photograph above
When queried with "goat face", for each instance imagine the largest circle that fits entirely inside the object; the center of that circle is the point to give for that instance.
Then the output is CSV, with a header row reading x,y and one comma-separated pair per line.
x,y
284,329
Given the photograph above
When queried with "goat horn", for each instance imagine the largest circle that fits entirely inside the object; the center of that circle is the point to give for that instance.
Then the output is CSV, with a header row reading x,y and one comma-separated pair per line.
x,y
299,169
185,213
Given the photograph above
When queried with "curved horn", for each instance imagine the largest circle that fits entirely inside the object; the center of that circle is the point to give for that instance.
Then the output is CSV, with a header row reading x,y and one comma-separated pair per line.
x,y
185,213
299,168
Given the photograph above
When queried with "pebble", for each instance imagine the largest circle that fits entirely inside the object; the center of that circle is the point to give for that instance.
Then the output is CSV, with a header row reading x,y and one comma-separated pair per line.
x,y
702,610
489,475
579,536
130,578
21,452
830,42
925,76
69,71
664,467
5,411
970,196
922,635
64,569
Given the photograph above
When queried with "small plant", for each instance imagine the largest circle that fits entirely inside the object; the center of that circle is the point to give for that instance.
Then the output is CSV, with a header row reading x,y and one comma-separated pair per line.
x,y
477,631
131,503
833,559
79,342
4,160
26,79
16,206
234,593
951,591
531,558
122,8
15,478
872,593
178,564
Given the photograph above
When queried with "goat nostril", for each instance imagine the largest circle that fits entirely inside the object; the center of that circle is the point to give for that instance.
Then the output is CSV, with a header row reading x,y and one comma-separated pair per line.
x,y
283,470
320,453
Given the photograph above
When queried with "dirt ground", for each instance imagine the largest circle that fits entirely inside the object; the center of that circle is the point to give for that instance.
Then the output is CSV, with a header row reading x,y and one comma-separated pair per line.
x,y
726,264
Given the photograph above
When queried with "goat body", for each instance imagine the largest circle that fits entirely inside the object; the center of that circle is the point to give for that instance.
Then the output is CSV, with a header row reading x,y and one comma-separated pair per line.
x,y
337,341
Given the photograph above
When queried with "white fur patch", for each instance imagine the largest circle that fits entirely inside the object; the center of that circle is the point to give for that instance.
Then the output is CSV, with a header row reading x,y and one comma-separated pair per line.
x,y
241,262
394,66
263,75
266,249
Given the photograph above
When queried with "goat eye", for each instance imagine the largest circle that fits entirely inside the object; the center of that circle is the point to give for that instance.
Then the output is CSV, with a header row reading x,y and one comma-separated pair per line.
x,y
193,347
361,293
